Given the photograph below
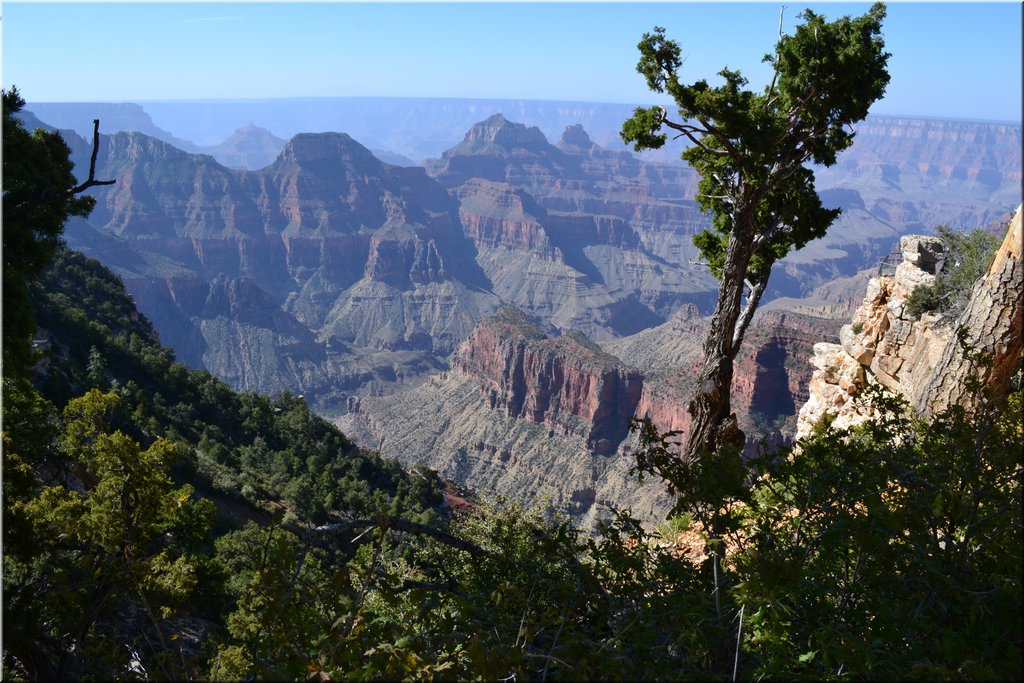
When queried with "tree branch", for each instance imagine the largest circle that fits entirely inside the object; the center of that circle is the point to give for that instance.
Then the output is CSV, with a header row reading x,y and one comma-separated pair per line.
x,y
92,182
730,149
688,130
748,313
397,523
771,88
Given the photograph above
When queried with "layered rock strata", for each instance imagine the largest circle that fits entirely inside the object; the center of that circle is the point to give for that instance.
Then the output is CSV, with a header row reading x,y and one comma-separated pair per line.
x,y
521,414
566,382
882,345
993,323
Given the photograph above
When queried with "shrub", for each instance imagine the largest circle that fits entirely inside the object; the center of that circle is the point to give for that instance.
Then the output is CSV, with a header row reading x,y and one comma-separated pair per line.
x,y
968,256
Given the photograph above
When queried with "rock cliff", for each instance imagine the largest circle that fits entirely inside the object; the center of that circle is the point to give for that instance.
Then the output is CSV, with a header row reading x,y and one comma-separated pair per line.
x,y
568,383
362,278
375,259
521,414
525,414
572,233
920,359
769,381
348,264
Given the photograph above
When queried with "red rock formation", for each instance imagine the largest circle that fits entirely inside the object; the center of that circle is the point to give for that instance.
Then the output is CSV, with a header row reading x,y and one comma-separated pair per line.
x,y
565,382
664,404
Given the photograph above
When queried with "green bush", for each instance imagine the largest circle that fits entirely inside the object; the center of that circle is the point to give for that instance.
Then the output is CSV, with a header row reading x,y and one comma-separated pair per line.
x,y
968,256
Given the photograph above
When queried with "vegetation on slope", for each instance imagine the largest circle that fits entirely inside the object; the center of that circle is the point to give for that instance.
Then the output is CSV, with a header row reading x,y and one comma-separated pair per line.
x,y
117,460
889,551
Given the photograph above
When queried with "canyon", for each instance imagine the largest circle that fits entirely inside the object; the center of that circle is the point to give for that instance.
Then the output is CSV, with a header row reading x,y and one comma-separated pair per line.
x,y
501,311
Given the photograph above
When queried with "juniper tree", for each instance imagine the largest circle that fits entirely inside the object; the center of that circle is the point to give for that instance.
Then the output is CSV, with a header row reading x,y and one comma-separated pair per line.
x,y
752,151
40,193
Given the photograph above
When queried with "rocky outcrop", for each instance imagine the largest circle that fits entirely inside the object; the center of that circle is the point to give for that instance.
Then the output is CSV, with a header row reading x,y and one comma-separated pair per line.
x,y
500,150
579,179
573,233
992,324
567,383
341,257
922,359
378,257
499,215
521,414
384,264
445,425
769,379
525,414
882,345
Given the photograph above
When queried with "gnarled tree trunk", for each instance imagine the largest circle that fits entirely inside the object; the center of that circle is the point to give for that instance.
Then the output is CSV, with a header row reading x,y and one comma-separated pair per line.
x,y
713,423
994,325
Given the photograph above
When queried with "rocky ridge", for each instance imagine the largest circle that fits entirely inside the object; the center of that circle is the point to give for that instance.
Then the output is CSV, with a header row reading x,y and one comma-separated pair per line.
x,y
374,259
530,406
360,278
921,360
521,414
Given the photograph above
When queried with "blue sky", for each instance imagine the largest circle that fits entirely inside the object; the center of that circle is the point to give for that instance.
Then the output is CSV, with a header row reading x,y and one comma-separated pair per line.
x,y
949,60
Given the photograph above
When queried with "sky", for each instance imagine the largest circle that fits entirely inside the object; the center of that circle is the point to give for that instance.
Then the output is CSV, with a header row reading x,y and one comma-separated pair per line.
x,y
949,60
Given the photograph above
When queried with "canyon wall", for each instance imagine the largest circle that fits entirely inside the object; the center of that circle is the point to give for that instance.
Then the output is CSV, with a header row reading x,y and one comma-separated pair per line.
x,y
567,383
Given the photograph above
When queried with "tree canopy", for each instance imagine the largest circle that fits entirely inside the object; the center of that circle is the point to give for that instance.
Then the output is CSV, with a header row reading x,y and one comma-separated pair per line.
x,y
751,150
39,195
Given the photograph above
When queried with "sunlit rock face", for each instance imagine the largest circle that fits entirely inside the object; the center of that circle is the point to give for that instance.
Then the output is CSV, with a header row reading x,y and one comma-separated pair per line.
x,y
326,272
359,284
566,382
920,359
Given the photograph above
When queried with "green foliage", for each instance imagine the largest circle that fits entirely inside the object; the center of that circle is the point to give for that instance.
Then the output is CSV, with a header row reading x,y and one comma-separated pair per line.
x,y
504,592
751,150
675,525
707,486
116,532
252,449
968,256
893,549
162,422
38,199
112,458
749,147
886,551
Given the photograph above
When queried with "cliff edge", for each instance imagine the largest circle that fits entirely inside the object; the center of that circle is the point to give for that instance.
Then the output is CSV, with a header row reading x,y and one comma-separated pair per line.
x,y
921,359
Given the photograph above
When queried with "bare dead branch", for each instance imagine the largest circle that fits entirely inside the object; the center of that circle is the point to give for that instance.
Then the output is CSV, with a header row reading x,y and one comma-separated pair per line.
x,y
91,181
748,313
396,523
771,88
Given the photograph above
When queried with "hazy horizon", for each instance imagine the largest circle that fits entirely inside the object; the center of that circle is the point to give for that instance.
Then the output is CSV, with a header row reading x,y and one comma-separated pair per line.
x,y
256,100
563,52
